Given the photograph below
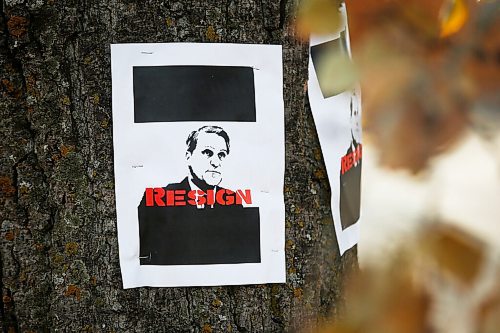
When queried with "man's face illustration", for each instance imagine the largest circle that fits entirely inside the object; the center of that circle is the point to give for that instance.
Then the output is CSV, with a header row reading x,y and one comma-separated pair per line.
x,y
355,118
206,160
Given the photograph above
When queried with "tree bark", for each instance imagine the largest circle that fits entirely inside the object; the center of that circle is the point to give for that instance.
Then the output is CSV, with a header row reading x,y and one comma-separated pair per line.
x,y
59,249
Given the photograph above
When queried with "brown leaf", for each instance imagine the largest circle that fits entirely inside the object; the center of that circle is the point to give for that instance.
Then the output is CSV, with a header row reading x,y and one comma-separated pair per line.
x,y
405,309
481,63
488,316
418,17
455,251
386,300
417,134
339,328
412,110
319,17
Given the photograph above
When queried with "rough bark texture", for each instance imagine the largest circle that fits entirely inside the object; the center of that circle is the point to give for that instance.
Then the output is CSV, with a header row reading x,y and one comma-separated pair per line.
x,y
59,249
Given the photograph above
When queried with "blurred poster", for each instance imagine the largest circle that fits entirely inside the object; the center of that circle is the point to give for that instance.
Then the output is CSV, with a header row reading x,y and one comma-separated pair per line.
x,y
336,109
199,163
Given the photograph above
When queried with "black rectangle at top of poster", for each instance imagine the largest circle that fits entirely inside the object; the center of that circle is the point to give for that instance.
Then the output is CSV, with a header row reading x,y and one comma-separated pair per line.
x,y
194,93
319,55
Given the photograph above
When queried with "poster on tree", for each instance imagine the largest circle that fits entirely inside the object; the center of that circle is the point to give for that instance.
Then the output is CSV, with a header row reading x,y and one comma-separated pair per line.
x,y
336,108
198,134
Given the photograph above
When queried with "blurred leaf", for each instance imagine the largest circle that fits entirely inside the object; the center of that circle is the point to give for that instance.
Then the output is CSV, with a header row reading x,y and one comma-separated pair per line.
x,y
419,17
482,63
339,73
406,308
419,133
453,16
420,89
488,317
455,251
319,17
339,328
402,292
385,301
411,110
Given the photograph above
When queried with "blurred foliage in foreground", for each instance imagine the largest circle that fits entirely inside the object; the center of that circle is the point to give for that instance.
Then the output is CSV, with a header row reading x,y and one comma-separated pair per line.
x,y
429,69
441,281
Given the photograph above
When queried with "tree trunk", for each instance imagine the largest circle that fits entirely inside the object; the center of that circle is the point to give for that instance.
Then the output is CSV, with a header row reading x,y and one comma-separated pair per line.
x,y
59,249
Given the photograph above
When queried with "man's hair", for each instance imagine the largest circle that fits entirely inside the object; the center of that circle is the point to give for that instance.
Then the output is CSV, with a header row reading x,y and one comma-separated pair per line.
x,y
192,139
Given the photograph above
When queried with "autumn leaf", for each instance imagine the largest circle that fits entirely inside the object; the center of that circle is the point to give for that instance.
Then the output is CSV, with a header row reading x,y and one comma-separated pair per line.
x,y
455,251
338,73
488,316
453,16
405,308
319,17
403,292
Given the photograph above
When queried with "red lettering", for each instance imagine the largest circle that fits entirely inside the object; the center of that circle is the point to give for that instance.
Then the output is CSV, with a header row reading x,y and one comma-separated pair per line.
x,y
210,198
179,197
158,194
149,197
170,198
219,197
197,197
247,197
229,197
347,161
192,195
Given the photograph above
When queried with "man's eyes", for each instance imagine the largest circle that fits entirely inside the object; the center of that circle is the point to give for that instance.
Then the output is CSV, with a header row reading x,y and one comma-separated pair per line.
x,y
207,152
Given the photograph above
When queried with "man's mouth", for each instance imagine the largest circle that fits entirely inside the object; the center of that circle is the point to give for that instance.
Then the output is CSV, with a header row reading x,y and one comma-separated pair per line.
x,y
213,172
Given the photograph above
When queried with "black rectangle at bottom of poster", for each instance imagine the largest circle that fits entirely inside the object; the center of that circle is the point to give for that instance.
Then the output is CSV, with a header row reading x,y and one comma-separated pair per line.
x,y
190,236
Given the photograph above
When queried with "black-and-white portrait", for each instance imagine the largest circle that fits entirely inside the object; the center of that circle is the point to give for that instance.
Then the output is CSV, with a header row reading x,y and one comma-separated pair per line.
x,y
198,133
350,169
336,110
197,220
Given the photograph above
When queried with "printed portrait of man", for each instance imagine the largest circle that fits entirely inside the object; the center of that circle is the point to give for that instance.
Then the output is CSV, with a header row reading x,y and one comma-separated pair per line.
x,y
350,170
207,149
197,221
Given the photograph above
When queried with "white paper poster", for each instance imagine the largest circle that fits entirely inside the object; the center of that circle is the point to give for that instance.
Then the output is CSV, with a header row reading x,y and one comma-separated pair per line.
x,y
199,163
337,115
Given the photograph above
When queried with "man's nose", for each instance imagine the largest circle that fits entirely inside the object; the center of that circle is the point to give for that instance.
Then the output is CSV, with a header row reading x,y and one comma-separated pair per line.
x,y
215,161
